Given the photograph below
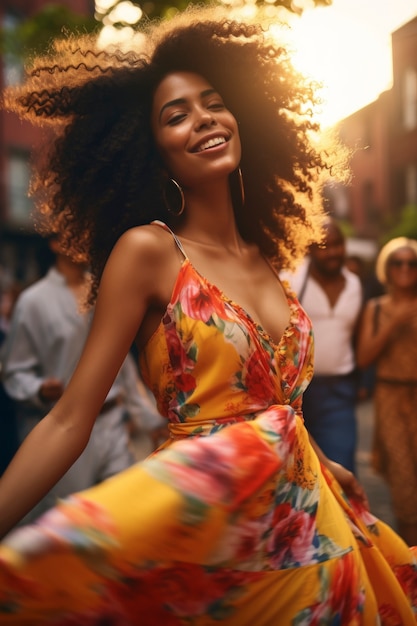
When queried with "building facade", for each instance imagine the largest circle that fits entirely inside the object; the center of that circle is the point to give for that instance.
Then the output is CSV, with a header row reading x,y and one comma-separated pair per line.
x,y
382,137
20,247
383,140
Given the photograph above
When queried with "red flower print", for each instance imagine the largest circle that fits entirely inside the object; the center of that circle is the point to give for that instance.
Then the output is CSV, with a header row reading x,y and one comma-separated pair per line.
x,y
182,354
77,512
14,585
257,381
196,302
407,577
292,372
345,593
185,588
185,382
292,538
199,303
139,595
389,615
191,590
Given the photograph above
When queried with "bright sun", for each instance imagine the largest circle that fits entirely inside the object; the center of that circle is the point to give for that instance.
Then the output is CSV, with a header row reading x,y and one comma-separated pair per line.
x,y
346,56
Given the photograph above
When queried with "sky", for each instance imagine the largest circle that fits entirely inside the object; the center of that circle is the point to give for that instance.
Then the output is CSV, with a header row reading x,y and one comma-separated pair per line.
x,y
348,47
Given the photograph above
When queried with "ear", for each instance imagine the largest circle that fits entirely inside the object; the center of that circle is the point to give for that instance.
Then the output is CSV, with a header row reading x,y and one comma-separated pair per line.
x,y
54,245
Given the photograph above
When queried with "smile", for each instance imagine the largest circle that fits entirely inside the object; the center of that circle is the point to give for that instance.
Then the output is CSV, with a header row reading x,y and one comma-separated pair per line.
x,y
211,143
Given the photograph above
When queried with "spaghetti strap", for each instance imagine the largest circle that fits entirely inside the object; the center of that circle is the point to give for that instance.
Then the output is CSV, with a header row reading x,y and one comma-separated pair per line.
x,y
177,241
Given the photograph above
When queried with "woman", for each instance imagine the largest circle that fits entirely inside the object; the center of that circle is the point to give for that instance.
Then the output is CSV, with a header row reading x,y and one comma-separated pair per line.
x,y
388,339
234,520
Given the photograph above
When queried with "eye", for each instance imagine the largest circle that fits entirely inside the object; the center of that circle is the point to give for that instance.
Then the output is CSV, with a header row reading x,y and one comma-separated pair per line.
x,y
176,118
216,105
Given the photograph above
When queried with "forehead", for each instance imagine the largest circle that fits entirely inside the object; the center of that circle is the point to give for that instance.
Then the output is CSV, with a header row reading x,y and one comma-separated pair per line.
x,y
179,85
332,237
403,252
333,234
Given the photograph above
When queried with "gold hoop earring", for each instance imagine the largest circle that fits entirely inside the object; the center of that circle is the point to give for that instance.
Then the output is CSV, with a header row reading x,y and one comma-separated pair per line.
x,y
169,192
241,185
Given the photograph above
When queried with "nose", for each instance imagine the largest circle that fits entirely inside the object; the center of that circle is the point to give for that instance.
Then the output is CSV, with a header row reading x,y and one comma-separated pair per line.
x,y
204,119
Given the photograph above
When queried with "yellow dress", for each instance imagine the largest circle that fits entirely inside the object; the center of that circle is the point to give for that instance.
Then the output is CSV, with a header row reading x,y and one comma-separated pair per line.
x,y
232,522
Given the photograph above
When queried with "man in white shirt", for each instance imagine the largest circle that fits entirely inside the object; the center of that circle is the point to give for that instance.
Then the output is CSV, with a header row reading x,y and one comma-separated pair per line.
x,y
332,297
47,334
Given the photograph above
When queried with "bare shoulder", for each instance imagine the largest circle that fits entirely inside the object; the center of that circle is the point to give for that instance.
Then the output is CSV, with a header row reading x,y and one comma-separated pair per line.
x,y
147,243
147,247
149,256
386,304
382,301
374,306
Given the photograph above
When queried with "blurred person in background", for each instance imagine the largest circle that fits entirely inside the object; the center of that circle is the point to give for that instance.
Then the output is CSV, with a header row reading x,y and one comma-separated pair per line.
x,y
332,297
355,263
9,440
388,338
47,333
371,288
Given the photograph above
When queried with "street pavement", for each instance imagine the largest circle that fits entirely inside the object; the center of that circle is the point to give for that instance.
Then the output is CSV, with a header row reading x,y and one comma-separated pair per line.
x,y
375,486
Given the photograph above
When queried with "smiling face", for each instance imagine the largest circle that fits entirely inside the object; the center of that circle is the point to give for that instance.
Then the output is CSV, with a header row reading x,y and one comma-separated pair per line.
x,y
329,258
401,268
196,135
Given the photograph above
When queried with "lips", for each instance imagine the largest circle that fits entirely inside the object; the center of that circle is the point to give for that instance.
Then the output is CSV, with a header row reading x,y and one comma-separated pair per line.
x,y
211,142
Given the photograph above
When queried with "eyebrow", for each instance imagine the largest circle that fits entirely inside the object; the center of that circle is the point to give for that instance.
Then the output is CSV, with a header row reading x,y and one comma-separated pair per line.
x,y
171,103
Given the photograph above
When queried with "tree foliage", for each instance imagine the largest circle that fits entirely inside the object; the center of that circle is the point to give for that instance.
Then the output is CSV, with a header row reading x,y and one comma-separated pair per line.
x,y
163,8
405,226
34,34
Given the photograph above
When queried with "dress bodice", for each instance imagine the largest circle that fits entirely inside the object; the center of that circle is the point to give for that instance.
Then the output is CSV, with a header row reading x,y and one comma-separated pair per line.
x,y
210,363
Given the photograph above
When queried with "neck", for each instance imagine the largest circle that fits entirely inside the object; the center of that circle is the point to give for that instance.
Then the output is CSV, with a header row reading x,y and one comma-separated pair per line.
x,y
210,218
325,279
407,293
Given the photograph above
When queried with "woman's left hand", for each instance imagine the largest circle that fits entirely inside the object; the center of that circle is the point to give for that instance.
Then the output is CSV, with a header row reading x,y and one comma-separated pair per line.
x,y
349,483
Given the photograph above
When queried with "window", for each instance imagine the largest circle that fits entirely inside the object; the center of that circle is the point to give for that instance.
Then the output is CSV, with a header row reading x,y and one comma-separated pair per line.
x,y
369,202
409,98
411,184
336,200
12,64
20,206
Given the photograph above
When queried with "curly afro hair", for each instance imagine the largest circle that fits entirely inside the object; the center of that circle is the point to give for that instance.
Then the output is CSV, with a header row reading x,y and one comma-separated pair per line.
x,y
101,173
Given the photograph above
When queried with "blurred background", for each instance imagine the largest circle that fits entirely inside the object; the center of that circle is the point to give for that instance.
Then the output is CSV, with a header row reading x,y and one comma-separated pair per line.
x,y
364,53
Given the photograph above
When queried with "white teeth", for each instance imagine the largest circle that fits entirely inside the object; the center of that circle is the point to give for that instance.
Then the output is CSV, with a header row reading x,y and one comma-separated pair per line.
x,y
211,143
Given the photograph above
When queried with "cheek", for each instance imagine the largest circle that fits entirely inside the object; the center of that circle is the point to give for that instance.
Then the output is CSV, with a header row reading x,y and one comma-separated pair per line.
x,y
169,151
236,135
238,148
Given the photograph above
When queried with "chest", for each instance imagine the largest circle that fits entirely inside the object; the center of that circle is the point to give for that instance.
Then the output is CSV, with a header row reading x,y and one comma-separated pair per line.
x,y
255,287
334,304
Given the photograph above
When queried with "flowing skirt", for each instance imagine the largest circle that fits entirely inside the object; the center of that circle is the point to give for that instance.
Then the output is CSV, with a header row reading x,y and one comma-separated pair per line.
x,y
239,528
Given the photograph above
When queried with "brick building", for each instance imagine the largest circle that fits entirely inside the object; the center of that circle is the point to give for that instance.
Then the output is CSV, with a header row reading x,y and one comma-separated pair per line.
x,y
19,245
383,137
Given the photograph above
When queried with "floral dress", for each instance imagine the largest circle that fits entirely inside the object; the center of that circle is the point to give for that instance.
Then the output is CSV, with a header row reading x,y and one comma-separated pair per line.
x,y
233,521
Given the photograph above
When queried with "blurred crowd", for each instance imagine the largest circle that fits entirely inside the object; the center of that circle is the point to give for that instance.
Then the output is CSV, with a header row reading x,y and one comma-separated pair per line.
x,y
43,329
365,328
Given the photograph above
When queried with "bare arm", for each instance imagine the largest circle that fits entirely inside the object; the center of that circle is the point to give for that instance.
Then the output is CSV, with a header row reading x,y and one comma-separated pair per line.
x,y
126,289
346,479
372,339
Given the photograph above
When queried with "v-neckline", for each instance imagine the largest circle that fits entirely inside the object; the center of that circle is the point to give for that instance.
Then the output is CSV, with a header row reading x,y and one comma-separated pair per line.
x,y
259,328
